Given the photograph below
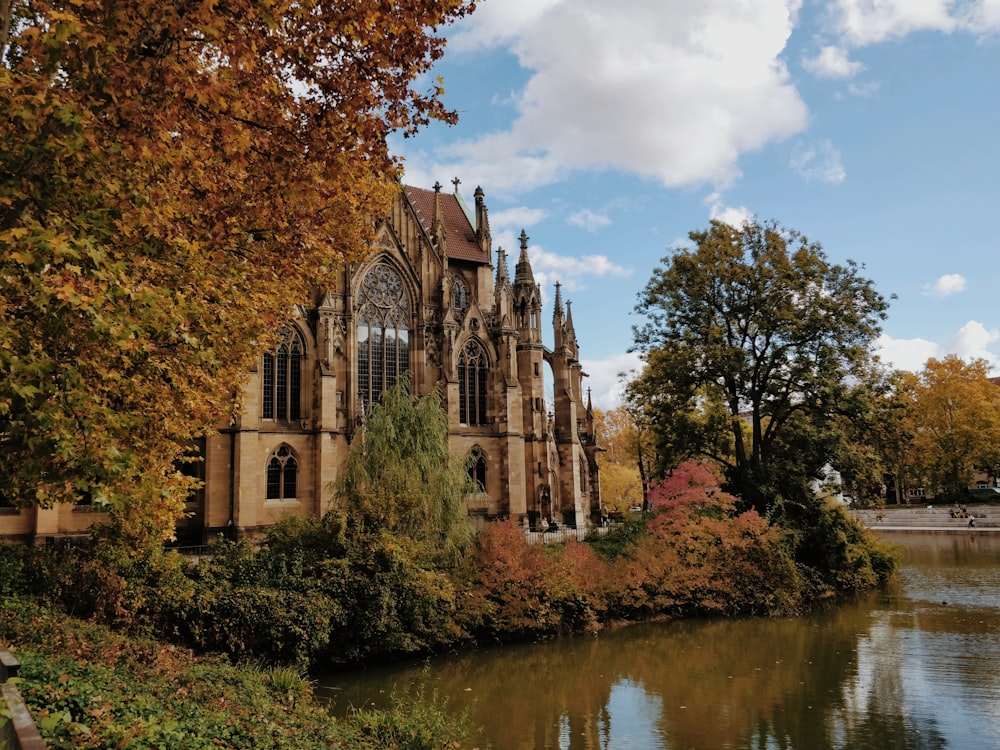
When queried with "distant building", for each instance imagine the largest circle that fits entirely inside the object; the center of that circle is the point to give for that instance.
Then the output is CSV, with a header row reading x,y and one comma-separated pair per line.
x,y
429,303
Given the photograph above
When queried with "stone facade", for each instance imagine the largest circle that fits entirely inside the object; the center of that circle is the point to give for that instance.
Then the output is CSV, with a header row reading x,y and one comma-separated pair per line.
x,y
430,303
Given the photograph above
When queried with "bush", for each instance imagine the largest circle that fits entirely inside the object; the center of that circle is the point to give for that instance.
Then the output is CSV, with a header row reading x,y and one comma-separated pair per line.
x,y
838,553
89,688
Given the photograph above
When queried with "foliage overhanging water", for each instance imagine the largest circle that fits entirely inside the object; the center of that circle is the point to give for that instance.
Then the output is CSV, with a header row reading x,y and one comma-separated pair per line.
x,y
914,666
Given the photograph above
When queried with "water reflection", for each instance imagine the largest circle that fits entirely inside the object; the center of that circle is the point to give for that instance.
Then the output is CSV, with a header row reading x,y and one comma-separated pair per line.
x,y
916,666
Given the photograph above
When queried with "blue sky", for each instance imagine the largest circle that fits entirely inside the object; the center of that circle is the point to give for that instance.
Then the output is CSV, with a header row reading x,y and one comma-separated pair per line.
x,y
609,130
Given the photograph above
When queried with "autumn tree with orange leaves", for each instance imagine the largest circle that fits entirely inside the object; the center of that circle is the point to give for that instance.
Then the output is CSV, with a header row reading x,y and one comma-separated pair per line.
x,y
174,176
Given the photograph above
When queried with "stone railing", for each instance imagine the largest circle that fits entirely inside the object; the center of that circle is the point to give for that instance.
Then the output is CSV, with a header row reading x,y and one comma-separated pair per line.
x,y
17,728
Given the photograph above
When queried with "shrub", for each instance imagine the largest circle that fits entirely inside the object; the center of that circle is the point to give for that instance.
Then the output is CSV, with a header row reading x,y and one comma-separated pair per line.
x,y
89,688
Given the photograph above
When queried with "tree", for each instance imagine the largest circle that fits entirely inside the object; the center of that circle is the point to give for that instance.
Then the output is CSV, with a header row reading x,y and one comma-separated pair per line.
x,y
620,438
756,342
174,177
955,421
400,480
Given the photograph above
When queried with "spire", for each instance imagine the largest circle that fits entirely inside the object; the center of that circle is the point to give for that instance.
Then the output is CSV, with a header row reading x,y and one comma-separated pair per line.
x,y
590,406
482,223
527,297
437,224
569,320
557,314
522,272
503,275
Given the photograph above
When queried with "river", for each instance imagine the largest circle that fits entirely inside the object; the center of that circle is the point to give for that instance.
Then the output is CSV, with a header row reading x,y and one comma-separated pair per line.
x,y
914,666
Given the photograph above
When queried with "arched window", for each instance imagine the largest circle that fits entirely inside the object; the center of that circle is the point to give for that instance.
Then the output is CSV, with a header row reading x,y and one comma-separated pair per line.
x,y
459,293
383,332
477,468
282,472
282,382
472,373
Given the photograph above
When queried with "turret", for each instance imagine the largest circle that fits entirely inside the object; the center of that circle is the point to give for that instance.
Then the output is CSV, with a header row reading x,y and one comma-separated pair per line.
x,y
569,333
557,319
527,298
502,292
483,224
439,235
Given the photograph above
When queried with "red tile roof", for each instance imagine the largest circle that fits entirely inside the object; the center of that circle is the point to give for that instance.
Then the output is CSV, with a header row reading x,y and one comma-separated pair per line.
x,y
459,233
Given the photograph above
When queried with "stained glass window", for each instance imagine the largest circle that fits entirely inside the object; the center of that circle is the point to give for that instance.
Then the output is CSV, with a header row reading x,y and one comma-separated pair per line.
x,y
383,331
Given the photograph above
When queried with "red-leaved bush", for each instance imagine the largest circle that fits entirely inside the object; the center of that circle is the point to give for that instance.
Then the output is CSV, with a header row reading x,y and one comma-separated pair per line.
x,y
697,555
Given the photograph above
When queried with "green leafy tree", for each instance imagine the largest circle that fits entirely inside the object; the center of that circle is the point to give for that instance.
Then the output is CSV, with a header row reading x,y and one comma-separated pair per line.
x,y
879,456
755,340
173,177
686,427
400,479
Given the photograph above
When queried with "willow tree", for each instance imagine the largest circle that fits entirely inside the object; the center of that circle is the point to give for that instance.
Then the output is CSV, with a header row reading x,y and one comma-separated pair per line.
x,y
174,176
401,480
755,346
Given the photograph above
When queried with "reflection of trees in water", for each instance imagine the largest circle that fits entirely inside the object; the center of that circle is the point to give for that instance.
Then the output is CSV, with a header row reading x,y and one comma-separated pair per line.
x,y
838,680
741,684
750,683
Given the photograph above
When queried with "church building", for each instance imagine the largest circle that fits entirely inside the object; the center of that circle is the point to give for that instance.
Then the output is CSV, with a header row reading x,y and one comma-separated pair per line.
x,y
431,303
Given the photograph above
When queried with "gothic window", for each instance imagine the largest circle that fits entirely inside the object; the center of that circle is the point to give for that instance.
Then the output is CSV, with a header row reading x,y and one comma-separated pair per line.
x,y
383,332
477,468
282,381
472,374
282,473
459,293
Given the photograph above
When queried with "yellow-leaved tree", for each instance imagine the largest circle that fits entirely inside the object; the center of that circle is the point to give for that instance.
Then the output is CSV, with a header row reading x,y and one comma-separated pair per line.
x,y
954,417
174,176
621,438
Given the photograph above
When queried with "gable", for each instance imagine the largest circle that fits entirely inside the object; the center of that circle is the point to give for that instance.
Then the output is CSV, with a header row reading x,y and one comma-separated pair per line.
x,y
461,235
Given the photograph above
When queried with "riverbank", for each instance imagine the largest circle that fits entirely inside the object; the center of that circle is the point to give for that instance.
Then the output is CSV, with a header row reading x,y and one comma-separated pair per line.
x,y
933,519
89,688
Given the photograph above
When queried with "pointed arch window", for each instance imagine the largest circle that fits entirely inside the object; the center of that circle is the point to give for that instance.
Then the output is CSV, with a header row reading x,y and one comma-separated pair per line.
x,y
282,381
459,293
383,331
473,370
477,468
282,475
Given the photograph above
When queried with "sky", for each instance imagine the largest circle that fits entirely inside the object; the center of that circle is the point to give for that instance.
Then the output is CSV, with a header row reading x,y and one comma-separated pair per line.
x,y
610,130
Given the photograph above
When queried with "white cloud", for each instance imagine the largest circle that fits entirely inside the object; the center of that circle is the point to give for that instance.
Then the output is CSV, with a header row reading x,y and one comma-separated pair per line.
x,y
863,90
605,385
548,267
818,162
734,216
675,92
973,341
862,22
497,23
832,62
520,217
571,271
951,283
983,17
589,220
905,354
